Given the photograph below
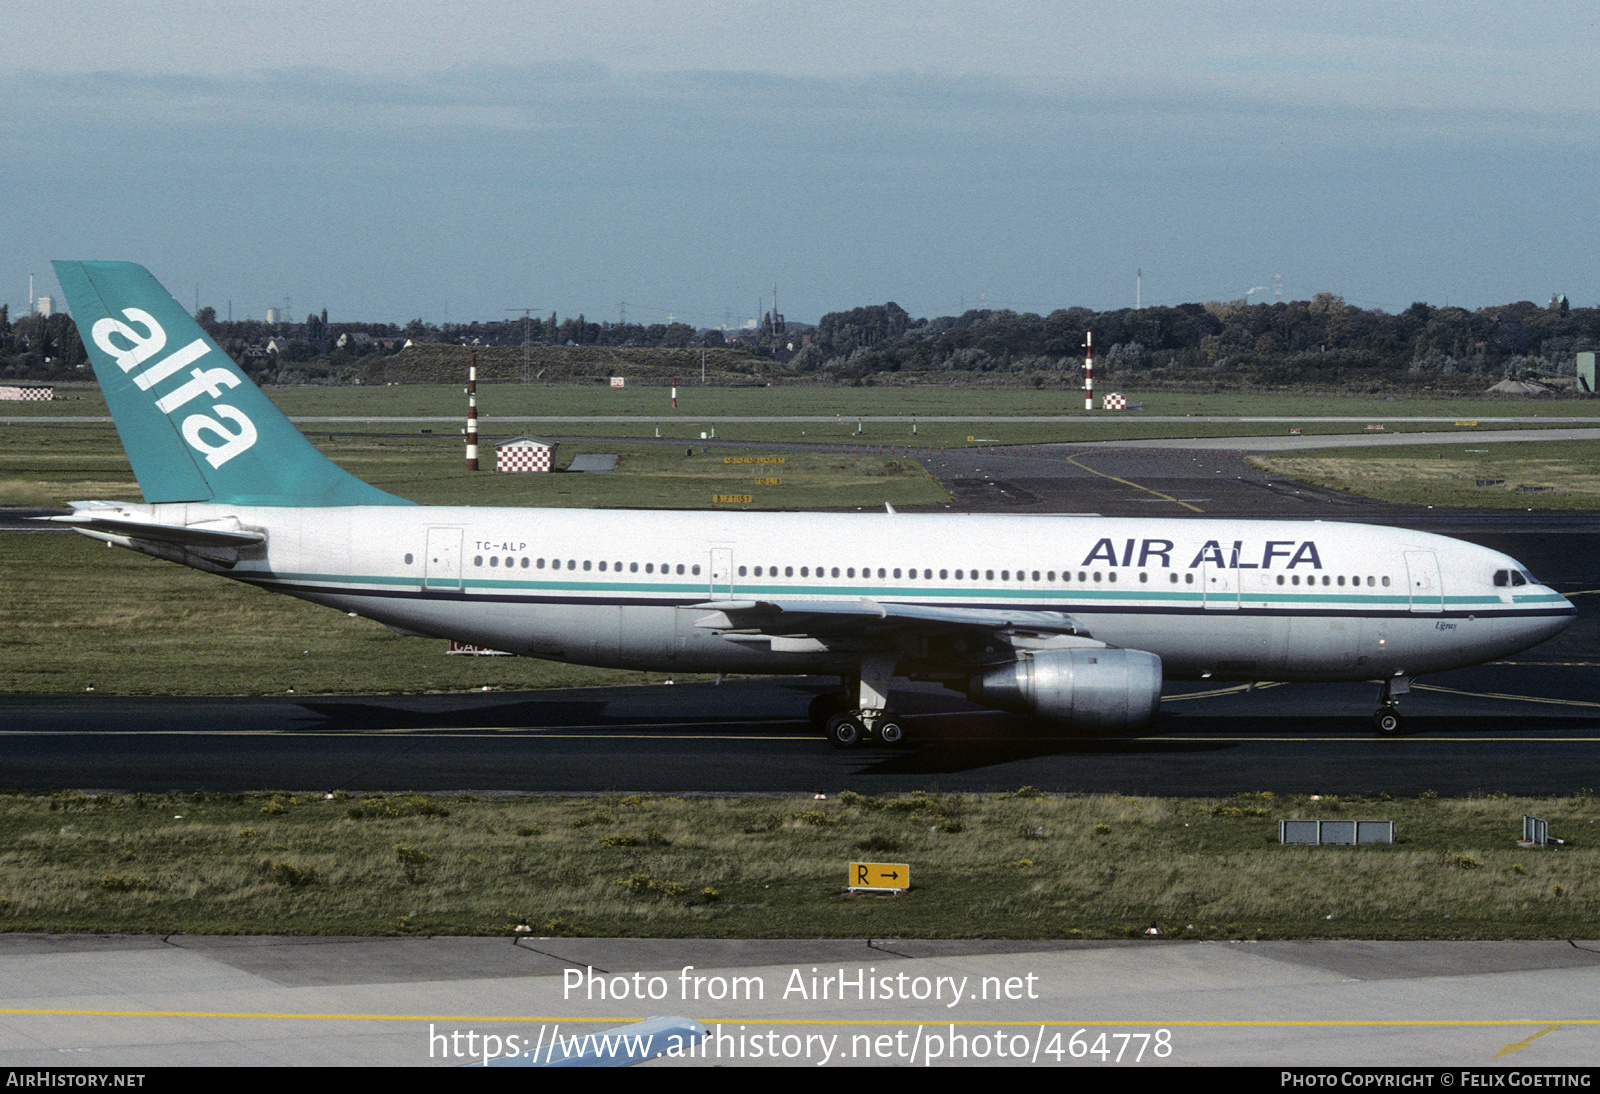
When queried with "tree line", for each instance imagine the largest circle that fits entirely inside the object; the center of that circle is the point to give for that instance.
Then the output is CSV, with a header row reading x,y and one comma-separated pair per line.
x,y
1323,340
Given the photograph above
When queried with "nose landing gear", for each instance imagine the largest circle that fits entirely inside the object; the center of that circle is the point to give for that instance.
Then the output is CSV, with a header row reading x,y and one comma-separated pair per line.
x,y
1386,720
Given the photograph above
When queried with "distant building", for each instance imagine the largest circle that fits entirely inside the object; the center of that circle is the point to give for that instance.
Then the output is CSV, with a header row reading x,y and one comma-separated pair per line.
x,y
272,315
277,345
46,305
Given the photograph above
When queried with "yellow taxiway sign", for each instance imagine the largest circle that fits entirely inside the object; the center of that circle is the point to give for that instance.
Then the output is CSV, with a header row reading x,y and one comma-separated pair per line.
x,y
879,875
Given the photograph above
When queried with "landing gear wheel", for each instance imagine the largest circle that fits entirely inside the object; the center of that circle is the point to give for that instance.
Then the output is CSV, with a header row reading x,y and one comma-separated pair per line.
x,y
823,707
890,730
1386,721
845,731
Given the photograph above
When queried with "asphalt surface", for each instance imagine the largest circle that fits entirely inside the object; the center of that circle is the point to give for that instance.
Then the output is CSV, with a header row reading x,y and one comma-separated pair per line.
x,y
139,1002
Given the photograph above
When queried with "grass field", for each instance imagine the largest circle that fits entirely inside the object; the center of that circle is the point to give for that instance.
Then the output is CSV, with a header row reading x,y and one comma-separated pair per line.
x,y
1018,865
649,404
1514,475
56,463
645,413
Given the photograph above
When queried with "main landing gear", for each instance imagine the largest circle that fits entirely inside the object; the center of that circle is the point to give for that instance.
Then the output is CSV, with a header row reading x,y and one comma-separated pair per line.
x,y
1386,720
851,727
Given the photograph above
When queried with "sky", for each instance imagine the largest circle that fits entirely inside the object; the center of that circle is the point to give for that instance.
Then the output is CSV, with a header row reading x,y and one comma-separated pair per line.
x,y
467,160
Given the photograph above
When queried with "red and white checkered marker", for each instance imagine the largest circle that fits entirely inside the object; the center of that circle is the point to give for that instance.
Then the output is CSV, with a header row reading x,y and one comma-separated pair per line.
x,y
18,394
523,457
1114,401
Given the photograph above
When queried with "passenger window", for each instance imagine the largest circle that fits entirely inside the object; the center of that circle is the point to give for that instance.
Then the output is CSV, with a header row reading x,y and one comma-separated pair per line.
x,y
741,571
1188,579
788,571
1386,583
836,571
897,572
695,568
602,567
851,572
539,564
586,565
1097,575
1112,577
988,575
1144,578
572,564
1174,578
1082,576
1341,580
633,567
649,567
478,561
494,562
944,575
805,571
408,560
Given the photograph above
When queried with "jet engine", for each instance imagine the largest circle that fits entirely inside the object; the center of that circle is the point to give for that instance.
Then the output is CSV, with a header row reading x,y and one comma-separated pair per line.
x,y
1112,688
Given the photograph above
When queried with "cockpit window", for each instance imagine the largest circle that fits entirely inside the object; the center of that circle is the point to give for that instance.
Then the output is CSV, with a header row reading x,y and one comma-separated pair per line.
x,y
1517,576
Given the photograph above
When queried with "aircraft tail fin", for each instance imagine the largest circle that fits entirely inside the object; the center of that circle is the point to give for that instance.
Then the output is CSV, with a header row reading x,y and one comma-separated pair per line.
x,y
195,428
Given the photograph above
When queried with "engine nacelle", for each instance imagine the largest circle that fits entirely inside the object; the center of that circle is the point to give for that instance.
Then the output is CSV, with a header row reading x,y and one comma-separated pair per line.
x,y
1080,687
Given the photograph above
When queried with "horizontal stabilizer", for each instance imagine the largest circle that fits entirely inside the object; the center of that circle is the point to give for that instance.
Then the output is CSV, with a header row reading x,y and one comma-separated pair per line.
x,y
201,535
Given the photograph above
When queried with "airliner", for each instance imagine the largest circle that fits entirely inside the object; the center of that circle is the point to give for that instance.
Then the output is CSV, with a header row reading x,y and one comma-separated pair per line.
x,y
1073,620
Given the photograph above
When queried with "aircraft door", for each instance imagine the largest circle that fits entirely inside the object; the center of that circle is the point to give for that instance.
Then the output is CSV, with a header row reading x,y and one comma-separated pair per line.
x,y
1422,575
721,572
1220,586
441,563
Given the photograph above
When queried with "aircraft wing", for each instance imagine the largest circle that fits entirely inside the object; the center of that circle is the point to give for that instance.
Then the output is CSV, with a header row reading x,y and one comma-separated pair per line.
x,y
865,618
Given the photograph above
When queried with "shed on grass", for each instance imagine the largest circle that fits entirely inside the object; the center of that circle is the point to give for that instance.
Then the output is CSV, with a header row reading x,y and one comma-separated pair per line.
x,y
524,454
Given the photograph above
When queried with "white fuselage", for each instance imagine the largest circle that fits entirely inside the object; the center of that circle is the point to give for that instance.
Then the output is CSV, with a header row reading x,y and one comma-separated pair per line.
x,y
1245,600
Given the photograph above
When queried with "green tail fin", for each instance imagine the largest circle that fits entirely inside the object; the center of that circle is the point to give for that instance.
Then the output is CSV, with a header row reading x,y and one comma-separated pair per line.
x,y
195,428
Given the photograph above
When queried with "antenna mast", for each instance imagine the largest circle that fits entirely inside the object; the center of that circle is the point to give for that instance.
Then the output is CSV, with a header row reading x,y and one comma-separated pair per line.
x,y
527,346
